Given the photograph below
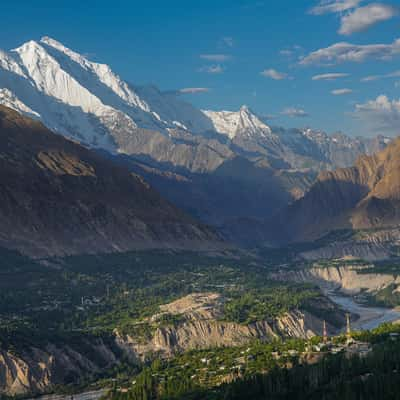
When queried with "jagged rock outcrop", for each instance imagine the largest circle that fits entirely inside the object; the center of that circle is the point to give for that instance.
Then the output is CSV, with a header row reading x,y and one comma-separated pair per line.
x,y
350,280
203,326
362,250
34,370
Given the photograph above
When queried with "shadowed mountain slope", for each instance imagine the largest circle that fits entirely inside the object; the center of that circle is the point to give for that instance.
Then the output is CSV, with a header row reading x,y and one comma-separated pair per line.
x,y
57,197
364,196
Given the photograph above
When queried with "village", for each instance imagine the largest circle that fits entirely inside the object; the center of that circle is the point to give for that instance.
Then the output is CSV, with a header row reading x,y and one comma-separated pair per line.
x,y
218,366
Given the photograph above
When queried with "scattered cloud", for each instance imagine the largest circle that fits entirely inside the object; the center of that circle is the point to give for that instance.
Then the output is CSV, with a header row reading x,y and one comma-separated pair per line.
x,y
274,74
293,112
290,51
215,57
212,69
364,17
341,92
329,76
371,78
194,90
334,6
228,41
286,52
395,74
347,52
381,113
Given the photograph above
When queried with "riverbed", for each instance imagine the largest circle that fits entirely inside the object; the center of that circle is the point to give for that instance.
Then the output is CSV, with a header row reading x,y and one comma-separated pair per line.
x,y
370,317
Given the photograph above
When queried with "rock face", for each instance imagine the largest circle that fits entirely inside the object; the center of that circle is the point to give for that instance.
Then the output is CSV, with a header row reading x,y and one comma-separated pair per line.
x,y
36,370
57,197
349,280
202,326
361,197
362,250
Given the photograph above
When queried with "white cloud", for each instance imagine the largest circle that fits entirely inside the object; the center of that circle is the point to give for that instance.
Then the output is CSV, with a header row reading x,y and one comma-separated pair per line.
x,y
381,113
347,52
334,6
329,77
215,57
364,17
371,78
194,90
274,74
395,74
228,41
290,51
212,69
340,92
286,52
293,112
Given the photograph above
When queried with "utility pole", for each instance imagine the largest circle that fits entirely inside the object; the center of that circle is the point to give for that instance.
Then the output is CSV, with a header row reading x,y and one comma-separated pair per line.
x,y
348,328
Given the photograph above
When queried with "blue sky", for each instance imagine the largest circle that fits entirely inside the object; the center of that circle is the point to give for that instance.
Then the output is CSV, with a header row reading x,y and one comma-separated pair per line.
x,y
258,53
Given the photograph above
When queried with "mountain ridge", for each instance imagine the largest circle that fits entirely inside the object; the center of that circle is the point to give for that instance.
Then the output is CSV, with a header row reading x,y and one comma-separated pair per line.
x,y
365,196
60,198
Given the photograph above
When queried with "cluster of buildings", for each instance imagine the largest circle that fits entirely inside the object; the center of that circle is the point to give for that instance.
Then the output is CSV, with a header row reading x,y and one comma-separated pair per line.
x,y
350,347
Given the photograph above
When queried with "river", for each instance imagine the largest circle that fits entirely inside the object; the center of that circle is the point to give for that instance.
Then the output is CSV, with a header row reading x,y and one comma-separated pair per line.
x,y
370,317
93,395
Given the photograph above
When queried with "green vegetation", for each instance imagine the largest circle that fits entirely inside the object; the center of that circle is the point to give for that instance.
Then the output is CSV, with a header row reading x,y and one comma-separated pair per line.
x,y
279,370
96,294
257,304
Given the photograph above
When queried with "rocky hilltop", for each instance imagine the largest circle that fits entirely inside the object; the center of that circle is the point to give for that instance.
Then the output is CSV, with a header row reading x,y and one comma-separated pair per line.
x,y
201,324
58,197
363,197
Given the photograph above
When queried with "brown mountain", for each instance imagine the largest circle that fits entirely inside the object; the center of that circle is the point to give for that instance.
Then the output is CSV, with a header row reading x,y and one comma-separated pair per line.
x,y
364,196
57,197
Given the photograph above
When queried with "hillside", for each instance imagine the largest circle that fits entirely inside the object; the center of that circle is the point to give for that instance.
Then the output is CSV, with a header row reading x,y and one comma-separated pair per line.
x,y
364,196
58,197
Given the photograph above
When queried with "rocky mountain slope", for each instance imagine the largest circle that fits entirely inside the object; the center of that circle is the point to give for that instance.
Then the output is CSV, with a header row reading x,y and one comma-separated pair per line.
x,y
365,196
59,198
35,370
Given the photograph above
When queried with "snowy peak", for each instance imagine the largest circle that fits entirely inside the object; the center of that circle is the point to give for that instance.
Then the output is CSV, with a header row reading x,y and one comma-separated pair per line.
x,y
86,100
170,107
101,72
8,99
243,122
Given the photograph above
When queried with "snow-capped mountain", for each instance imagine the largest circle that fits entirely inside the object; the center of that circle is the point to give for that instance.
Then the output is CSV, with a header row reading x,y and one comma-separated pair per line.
x,y
242,122
88,102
